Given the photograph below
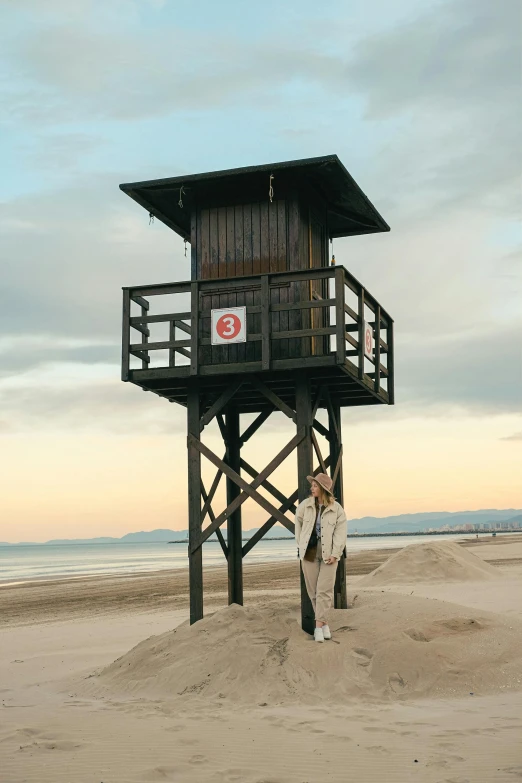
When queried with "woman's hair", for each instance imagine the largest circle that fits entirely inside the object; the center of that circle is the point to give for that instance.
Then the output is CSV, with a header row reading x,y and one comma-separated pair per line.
x,y
325,498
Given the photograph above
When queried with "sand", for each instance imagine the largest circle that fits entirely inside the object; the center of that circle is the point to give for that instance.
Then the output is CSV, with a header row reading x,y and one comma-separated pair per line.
x,y
385,648
433,561
420,687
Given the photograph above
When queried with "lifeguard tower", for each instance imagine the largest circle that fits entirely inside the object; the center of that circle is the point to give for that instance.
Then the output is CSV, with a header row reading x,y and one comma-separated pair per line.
x,y
265,324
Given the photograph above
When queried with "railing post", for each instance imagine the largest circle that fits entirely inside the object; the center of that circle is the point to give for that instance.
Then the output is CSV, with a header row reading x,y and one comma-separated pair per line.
x,y
194,325
361,333
391,379
377,348
172,337
125,336
265,322
144,340
340,333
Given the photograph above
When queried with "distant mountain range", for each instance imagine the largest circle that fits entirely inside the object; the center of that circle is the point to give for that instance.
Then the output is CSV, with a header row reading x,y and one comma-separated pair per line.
x,y
402,522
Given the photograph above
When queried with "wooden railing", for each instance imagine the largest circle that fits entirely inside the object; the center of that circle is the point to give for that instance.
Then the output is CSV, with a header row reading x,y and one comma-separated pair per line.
x,y
344,307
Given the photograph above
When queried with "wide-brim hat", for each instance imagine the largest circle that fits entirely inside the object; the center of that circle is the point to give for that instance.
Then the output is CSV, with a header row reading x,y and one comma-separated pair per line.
x,y
323,480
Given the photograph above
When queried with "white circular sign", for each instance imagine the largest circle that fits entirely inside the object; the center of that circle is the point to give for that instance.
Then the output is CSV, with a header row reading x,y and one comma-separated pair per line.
x,y
368,340
228,325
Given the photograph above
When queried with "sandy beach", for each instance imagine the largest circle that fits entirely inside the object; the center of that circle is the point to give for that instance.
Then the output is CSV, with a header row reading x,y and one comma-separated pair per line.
x,y
104,681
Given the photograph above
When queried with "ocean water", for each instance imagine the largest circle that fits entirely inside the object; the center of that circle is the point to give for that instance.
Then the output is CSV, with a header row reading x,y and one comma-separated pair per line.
x,y
53,561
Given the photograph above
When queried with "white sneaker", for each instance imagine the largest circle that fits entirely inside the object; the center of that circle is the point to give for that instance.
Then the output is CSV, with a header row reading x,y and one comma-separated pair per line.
x,y
318,635
327,634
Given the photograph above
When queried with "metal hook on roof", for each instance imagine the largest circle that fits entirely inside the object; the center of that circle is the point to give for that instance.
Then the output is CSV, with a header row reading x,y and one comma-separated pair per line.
x,y
151,218
181,192
271,189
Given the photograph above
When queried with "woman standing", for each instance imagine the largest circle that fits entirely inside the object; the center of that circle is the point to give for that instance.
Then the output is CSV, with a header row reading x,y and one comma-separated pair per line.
x,y
320,533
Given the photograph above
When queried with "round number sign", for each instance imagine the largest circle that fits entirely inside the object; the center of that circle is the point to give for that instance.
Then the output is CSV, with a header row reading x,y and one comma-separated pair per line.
x,y
228,326
368,340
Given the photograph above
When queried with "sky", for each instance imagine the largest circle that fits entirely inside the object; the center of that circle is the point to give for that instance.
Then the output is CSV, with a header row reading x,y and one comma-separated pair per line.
x,y
420,99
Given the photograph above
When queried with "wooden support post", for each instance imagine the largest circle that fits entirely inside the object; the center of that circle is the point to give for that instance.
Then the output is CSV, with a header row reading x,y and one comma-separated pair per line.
x,y
235,544
303,417
334,421
194,507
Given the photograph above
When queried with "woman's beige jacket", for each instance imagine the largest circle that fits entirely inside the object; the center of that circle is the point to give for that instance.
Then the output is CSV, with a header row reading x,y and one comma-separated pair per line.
x,y
333,528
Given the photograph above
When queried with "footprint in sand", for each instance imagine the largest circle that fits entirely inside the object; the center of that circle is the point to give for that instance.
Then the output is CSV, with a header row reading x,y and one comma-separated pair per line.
x,y
198,759
380,749
163,773
447,761
396,683
362,656
416,635
456,780
64,745
238,775
379,730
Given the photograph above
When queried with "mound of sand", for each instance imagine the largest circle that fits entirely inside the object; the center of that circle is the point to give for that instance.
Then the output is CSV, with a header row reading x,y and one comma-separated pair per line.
x,y
434,561
388,646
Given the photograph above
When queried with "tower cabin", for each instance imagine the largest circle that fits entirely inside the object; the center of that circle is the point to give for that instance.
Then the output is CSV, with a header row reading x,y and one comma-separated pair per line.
x,y
267,322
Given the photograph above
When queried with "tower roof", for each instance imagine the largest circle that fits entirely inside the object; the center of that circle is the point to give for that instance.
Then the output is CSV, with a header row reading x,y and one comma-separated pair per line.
x,y
172,200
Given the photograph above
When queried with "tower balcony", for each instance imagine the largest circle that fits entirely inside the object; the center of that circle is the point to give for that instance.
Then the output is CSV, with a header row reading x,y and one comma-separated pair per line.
x,y
319,321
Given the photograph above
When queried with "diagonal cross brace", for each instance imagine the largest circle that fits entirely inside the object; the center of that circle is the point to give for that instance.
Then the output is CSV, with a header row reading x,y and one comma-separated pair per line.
x,y
258,535
249,490
337,467
266,484
318,451
256,424
289,502
212,516
278,403
208,500
220,403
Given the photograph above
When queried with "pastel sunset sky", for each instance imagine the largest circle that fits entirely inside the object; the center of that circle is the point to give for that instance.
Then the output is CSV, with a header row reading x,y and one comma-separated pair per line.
x,y
421,100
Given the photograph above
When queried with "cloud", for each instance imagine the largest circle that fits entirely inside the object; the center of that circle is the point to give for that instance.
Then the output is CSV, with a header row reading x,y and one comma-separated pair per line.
x,y
450,79
516,436
96,405
478,371
71,251
19,356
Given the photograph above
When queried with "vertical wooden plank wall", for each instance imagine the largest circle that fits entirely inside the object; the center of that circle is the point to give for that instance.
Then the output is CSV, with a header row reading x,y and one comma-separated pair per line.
x,y
234,241
255,238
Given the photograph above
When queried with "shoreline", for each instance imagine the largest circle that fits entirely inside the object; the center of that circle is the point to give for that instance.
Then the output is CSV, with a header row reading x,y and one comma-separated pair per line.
x,y
357,558
42,601
353,536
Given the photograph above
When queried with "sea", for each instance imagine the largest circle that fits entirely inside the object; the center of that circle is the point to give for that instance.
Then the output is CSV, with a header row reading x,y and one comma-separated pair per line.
x,y
19,563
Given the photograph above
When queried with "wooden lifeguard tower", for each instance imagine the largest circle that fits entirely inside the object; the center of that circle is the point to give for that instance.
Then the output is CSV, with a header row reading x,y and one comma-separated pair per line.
x,y
265,324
